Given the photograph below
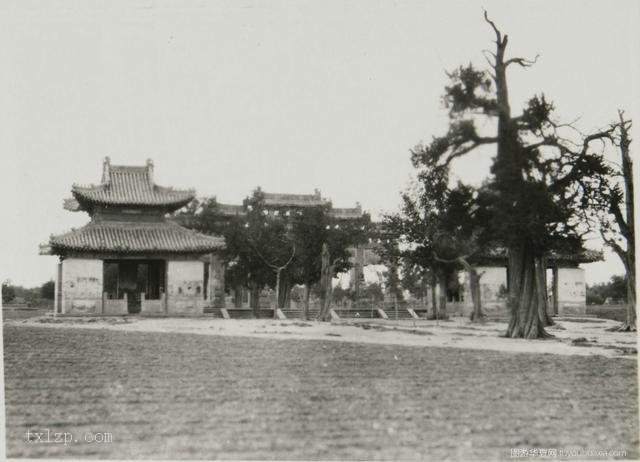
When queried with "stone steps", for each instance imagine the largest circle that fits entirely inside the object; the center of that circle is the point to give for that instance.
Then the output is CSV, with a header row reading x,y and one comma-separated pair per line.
x,y
212,312
297,313
403,314
352,313
239,313
358,314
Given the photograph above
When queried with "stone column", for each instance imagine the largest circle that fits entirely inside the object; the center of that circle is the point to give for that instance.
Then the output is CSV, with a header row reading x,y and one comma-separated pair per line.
x,y
57,298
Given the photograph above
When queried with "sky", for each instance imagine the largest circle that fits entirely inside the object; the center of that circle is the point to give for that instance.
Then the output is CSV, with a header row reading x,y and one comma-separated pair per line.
x,y
226,96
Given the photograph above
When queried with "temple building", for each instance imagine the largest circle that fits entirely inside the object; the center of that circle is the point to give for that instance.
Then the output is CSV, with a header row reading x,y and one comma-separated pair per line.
x,y
130,258
567,290
276,203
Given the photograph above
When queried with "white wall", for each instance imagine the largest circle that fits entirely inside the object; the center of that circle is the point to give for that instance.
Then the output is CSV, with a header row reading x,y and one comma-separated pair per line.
x,y
572,291
81,286
185,285
185,277
492,281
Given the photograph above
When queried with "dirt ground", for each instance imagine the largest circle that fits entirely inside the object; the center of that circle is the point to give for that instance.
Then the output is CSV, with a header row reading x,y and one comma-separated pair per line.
x,y
571,336
268,392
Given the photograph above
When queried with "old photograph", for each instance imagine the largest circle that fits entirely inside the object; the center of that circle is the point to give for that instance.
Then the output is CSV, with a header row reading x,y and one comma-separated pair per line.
x,y
303,230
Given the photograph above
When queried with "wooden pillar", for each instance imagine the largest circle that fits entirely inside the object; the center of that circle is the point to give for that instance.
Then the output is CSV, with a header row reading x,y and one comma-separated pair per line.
x,y
238,293
216,281
57,304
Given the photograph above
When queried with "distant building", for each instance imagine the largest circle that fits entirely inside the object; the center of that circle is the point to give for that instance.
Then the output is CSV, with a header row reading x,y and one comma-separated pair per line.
x,y
285,204
129,258
566,281
282,203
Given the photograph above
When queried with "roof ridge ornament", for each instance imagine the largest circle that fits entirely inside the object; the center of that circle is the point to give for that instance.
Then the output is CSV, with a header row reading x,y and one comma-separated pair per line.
x,y
106,170
150,171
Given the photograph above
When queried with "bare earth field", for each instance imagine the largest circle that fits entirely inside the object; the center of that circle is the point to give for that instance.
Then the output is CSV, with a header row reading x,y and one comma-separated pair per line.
x,y
264,389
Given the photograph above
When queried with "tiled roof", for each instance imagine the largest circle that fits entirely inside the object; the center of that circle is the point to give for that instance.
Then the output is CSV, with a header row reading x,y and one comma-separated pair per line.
x,y
293,200
583,256
346,213
127,237
230,209
125,185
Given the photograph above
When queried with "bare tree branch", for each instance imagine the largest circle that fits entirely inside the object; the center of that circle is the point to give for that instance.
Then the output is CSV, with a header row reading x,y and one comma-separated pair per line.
x,y
522,61
493,26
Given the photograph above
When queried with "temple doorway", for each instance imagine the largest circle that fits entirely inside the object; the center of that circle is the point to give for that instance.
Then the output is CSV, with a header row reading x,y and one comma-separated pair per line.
x,y
134,279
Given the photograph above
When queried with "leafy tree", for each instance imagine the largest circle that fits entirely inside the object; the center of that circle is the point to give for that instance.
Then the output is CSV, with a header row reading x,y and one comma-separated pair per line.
x,y
415,279
261,244
391,256
373,292
277,248
255,242
615,289
8,292
536,184
442,227
47,290
341,294
312,227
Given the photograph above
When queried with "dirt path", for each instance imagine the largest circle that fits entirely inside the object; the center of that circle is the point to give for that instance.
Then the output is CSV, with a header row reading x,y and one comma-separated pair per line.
x,y
583,337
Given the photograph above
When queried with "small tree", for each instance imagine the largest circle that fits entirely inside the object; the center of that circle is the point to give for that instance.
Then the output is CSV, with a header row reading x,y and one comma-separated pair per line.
x,y
255,242
613,207
415,279
313,228
442,227
277,248
48,290
8,292
616,289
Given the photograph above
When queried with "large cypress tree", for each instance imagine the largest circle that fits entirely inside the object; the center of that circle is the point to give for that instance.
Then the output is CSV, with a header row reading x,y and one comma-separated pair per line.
x,y
537,180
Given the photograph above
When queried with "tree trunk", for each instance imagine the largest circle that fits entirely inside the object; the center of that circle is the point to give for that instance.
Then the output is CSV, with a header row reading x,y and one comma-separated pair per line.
x,y
628,227
255,300
434,300
442,297
237,297
527,296
527,293
630,323
474,287
542,293
325,285
305,307
287,296
277,301
285,290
